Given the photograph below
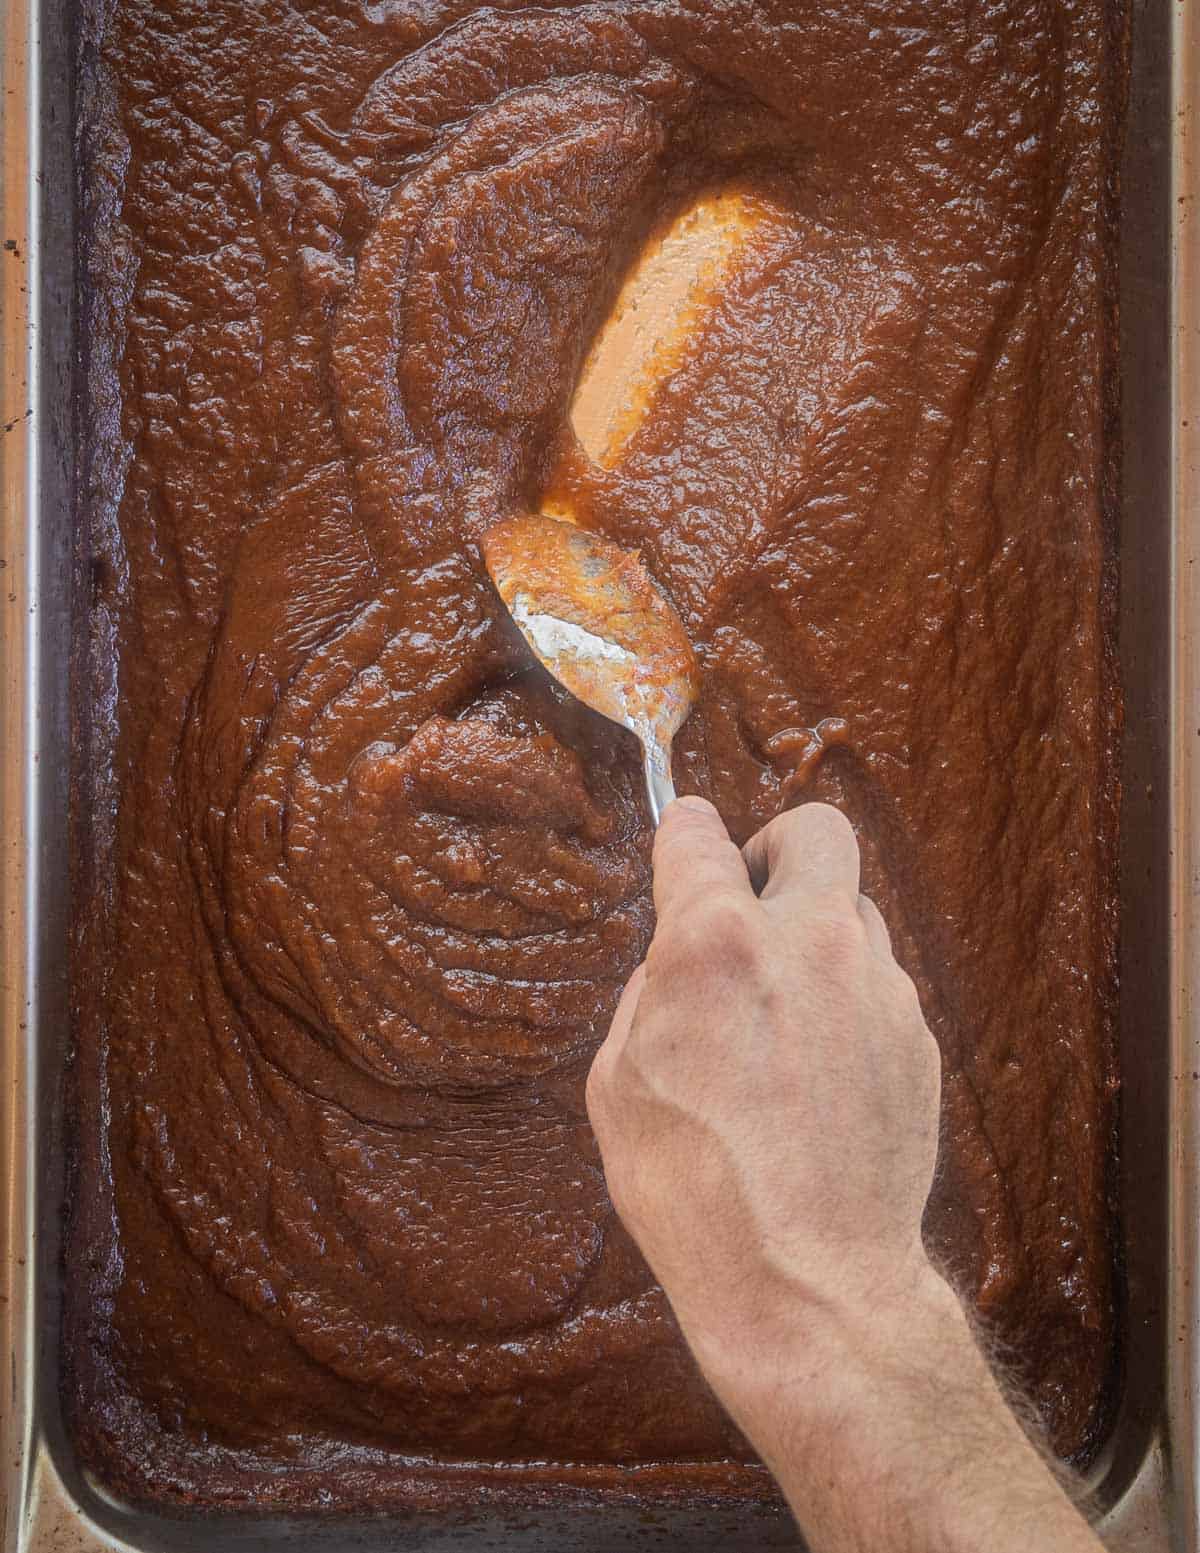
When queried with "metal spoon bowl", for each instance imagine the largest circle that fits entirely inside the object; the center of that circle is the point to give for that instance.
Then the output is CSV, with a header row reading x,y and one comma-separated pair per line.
x,y
596,620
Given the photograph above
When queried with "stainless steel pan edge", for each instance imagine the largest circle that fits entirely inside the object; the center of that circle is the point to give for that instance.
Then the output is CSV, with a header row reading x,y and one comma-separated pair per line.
x,y
36,440
1146,1486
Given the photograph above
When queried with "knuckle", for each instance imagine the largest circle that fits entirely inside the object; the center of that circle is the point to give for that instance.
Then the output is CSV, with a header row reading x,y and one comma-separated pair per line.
x,y
730,939
836,935
720,914
711,929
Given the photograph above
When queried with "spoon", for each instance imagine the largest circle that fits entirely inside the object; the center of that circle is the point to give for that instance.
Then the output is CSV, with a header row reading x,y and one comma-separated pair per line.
x,y
593,616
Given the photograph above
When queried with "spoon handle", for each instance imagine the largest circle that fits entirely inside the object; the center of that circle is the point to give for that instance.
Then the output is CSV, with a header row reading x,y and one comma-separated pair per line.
x,y
660,789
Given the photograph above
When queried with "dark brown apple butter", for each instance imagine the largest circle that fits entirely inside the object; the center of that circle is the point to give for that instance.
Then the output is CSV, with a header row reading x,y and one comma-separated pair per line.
x,y
358,887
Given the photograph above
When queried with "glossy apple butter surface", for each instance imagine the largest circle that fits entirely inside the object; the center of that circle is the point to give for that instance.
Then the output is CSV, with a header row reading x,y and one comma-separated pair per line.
x,y
358,888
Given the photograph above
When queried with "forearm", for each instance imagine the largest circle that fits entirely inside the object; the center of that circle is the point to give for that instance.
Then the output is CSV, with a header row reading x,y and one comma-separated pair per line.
x,y
886,1428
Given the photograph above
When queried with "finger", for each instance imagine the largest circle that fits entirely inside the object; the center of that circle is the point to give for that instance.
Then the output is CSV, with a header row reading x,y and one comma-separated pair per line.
x,y
878,936
694,858
809,849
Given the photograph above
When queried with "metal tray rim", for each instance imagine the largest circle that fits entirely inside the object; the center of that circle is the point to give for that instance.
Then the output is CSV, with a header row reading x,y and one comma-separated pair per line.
x,y
1155,1506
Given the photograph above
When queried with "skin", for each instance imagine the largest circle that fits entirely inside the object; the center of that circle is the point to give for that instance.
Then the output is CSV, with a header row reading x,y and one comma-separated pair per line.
x,y
766,1104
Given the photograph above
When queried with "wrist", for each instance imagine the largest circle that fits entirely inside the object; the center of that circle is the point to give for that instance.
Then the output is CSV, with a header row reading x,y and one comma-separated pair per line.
x,y
877,1405
816,1360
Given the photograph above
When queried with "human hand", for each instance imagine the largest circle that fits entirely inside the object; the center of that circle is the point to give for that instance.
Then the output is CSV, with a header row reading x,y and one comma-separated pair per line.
x,y
766,1102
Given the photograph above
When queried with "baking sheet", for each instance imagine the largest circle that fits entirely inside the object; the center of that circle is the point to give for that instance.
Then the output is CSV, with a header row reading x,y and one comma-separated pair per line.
x,y
1146,1480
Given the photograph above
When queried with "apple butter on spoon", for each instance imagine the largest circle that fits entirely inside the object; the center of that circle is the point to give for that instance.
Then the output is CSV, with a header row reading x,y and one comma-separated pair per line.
x,y
596,620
